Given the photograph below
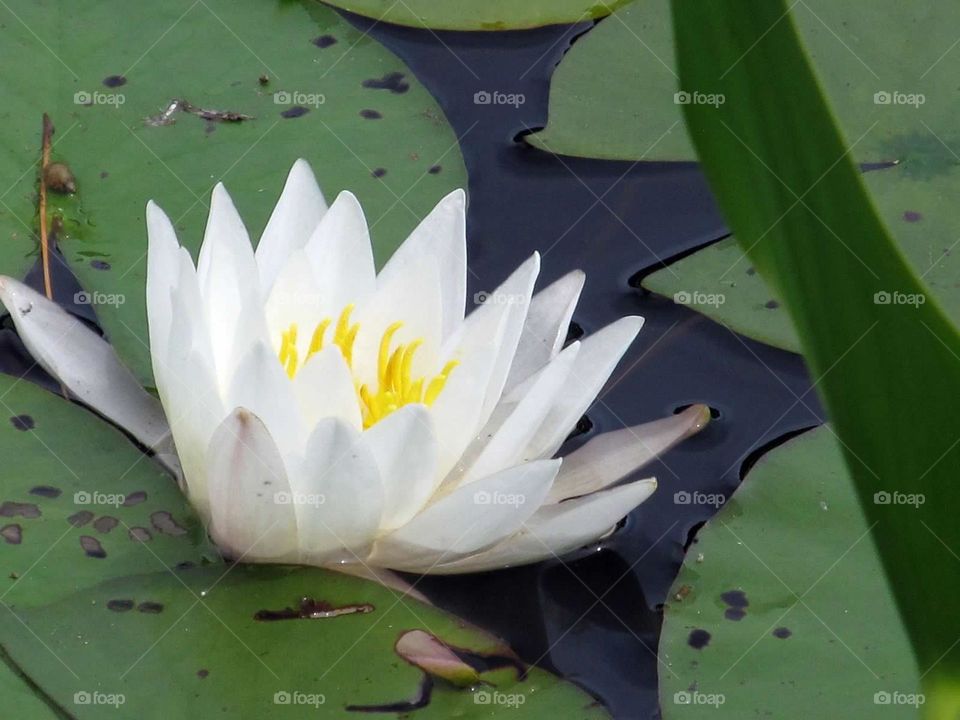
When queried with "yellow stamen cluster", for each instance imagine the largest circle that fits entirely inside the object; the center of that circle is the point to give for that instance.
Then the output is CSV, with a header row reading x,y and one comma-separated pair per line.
x,y
396,385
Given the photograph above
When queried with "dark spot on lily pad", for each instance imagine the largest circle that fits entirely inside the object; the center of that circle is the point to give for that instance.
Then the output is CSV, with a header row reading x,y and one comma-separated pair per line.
x,y
421,700
912,216
370,114
771,304
324,41
735,598
12,533
139,534
202,673
104,174
105,524
120,605
46,491
150,607
164,522
79,519
295,111
23,422
17,509
782,632
751,271
99,264
698,639
134,498
434,169
735,614
114,80
392,81
92,547
379,172
310,609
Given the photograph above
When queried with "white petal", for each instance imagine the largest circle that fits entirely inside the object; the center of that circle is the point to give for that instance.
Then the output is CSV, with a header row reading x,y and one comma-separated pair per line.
x,y
548,320
412,298
247,484
262,386
227,275
296,298
337,494
598,356
84,362
612,456
515,292
341,256
405,448
324,388
442,236
297,213
558,529
469,519
507,445
162,273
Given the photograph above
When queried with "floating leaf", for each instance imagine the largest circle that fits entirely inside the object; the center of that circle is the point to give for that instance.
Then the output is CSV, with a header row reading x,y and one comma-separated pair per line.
x,y
311,85
781,608
481,14
240,641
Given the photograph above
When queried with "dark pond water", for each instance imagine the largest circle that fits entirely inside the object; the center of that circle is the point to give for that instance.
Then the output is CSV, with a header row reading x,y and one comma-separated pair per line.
x,y
595,617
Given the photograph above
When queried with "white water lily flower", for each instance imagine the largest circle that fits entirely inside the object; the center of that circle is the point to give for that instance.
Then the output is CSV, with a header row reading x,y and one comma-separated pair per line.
x,y
324,413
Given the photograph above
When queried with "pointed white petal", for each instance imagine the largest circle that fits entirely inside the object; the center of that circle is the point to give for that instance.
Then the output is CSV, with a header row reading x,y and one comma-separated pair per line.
x,y
162,273
548,319
247,484
405,448
341,256
297,213
84,362
612,456
558,529
442,236
507,445
469,519
227,275
262,386
338,495
324,388
296,298
598,356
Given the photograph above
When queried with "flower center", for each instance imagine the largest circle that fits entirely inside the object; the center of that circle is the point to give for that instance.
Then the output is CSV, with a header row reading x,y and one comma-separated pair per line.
x,y
396,385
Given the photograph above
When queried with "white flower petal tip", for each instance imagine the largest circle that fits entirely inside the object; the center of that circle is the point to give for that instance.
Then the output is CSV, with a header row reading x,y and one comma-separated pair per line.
x,y
612,456
434,657
385,428
85,363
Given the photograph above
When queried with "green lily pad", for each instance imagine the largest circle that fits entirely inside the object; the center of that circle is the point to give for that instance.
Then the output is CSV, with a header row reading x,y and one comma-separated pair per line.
x,y
886,66
79,504
239,642
781,608
481,14
313,86
19,697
